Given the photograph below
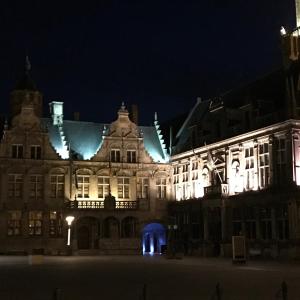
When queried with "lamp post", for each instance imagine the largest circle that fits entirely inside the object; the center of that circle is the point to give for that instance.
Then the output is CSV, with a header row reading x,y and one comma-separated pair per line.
x,y
69,220
172,229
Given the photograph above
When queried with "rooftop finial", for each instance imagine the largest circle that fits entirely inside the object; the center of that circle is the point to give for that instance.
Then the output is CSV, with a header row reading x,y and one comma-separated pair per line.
x,y
155,116
27,64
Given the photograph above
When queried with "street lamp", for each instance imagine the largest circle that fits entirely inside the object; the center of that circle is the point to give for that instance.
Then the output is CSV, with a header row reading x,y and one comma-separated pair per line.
x,y
172,236
69,220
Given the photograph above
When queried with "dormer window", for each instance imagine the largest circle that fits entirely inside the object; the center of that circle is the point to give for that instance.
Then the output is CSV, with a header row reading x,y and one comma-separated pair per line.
x,y
17,151
115,155
35,152
131,156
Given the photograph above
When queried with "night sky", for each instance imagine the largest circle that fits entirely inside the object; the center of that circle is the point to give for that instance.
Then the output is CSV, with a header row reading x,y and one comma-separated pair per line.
x,y
160,55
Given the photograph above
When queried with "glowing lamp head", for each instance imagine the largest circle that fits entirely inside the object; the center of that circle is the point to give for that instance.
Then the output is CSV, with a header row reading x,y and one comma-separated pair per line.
x,y
69,220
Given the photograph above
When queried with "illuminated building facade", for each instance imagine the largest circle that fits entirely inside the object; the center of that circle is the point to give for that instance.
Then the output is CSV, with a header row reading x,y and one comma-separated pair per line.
x,y
236,166
113,178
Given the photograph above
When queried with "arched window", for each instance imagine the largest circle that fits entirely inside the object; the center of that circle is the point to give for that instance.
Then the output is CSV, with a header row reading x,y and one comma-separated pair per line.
x,y
111,228
129,227
205,177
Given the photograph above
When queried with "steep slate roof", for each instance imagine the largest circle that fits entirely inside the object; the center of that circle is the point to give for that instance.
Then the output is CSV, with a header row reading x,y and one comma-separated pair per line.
x,y
85,138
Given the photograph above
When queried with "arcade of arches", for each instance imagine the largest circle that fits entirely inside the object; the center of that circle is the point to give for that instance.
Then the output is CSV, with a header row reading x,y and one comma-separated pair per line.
x,y
91,233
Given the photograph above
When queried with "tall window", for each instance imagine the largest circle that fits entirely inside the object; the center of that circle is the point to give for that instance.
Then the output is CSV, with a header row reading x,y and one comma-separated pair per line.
x,y
131,156
249,157
15,184
115,155
83,190
282,223
265,223
185,181
195,179
35,222
143,188
123,188
264,173
103,186
35,152
205,177
281,159
161,188
250,222
55,224
176,183
237,220
17,151
57,186
36,186
14,223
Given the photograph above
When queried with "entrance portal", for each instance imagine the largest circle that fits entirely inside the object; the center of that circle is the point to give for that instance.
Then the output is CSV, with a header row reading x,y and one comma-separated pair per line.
x,y
83,237
154,238
87,233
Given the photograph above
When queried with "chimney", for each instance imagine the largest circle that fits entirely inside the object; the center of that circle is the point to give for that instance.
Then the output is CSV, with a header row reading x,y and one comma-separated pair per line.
x,y
134,114
56,111
76,116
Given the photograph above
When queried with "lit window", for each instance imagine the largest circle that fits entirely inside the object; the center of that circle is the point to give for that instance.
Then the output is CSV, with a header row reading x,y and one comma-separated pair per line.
x,y
115,155
143,188
35,223
281,160
103,186
161,188
35,152
17,151
57,186
83,190
123,188
36,186
14,223
55,224
15,184
131,156
264,169
249,158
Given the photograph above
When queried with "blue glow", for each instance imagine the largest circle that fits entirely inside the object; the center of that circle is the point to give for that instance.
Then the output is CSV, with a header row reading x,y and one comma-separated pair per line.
x,y
154,236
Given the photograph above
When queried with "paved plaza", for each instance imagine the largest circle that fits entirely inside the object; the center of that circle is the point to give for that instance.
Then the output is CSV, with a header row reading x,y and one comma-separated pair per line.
x,y
123,277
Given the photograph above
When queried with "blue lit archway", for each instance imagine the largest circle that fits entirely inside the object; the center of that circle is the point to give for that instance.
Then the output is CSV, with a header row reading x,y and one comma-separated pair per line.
x,y
153,238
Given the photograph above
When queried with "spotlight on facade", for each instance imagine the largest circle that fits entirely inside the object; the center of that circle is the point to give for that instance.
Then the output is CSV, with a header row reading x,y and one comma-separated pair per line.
x,y
69,220
282,31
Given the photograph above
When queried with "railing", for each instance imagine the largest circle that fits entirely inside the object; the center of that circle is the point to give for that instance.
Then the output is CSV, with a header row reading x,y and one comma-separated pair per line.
x,y
221,189
99,204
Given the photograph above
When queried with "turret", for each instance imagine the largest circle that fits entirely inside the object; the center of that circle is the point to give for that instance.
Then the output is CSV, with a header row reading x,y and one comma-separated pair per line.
x,y
26,93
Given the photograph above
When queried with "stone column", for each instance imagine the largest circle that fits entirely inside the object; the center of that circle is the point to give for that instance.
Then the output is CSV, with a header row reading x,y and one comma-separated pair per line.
x,y
257,221
205,225
224,223
273,220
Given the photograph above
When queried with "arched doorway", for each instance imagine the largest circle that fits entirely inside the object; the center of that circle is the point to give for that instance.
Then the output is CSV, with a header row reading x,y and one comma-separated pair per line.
x,y
153,238
87,233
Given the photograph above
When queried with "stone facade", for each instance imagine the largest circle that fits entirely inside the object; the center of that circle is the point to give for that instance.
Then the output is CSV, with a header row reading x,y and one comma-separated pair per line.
x,y
113,178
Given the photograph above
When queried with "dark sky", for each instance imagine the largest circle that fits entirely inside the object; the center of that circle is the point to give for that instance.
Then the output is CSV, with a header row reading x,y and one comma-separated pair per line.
x,y
160,55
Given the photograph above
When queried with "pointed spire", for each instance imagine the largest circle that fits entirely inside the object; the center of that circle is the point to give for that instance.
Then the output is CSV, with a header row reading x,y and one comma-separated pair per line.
x,y
26,83
27,64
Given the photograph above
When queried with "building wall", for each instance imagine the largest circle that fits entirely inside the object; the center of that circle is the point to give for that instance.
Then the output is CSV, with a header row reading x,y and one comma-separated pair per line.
x,y
38,189
246,185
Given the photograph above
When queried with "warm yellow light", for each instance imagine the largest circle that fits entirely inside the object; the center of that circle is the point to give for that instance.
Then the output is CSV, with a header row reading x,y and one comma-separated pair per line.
x,y
69,220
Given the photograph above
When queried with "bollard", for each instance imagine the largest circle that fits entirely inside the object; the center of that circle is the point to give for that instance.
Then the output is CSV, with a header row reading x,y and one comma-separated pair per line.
x,y
57,295
284,291
144,295
218,291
